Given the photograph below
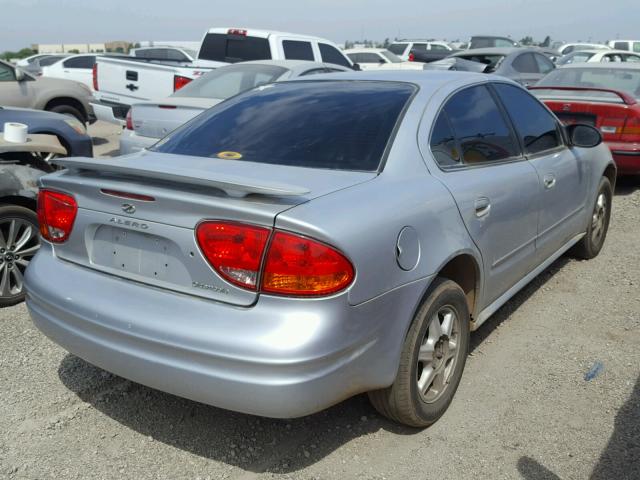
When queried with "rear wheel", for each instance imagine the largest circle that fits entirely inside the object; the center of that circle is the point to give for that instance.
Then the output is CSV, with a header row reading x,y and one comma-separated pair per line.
x,y
591,244
68,110
19,242
432,359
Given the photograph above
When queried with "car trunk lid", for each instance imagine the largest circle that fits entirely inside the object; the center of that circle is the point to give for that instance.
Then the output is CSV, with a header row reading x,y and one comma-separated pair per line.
x,y
157,119
137,214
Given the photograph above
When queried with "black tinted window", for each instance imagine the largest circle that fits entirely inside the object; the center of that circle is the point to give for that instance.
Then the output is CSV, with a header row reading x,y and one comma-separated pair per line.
x,y
525,63
365,57
45,62
398,48
479,126
234,48
332,55
620,46
342,125
295,50
536,127
443,143
80,62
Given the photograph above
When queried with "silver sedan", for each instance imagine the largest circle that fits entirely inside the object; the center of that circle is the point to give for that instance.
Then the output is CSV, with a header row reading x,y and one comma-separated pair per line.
x,y
310,240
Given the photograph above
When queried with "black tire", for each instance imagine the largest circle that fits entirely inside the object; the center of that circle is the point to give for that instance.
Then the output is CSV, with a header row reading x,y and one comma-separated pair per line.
x,y
402,401
591,244
10,265
69,110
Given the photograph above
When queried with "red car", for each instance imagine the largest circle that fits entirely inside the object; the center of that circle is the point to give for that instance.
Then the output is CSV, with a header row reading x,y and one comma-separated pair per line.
x,y
604,95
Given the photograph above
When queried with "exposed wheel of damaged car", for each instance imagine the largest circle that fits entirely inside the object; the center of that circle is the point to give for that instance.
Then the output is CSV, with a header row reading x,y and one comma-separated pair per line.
x,y
316,238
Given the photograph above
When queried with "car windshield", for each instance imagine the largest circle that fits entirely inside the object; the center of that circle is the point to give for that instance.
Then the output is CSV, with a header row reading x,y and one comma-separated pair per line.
x,y
622,79
398,48
492,61
342,125
390,56
228,81
575,57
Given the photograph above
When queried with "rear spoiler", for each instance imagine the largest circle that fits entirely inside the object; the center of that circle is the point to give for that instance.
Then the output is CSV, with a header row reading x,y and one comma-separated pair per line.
x,y
232,185
625,97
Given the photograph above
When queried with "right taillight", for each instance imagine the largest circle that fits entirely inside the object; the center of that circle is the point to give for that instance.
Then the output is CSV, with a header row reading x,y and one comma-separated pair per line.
x,y
56,214
180,81
412,57
129,119
95,77
277,262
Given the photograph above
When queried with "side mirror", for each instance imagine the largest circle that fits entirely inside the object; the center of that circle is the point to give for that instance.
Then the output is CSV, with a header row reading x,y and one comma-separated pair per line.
x,y
20,76
356,67
381,61
584,136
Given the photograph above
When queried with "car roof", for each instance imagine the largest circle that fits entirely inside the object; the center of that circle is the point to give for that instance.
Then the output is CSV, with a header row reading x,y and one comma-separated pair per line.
x,y
493,51
290,64
365,50
606,65
252,32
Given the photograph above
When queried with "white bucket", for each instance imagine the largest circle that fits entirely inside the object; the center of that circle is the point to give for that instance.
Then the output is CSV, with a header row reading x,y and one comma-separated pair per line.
x,y
15,132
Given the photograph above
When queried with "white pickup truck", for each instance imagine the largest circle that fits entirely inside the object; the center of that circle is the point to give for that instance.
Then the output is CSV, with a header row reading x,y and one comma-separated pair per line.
x,y
121,82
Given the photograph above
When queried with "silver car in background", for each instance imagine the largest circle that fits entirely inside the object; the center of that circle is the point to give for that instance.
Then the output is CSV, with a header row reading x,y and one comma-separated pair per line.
x,y
313,239
148,122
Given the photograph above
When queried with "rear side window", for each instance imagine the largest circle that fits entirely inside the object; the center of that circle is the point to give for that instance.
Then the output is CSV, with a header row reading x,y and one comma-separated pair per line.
x,y
333,55
176,55
221,47
636,47
443,143
80,62
343,125
537,128
296,50
525,63
544,64
398,48
482,132
620,46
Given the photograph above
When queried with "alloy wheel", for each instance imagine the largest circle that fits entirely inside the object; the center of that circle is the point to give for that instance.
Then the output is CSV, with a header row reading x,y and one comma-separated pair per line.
x,y
19,242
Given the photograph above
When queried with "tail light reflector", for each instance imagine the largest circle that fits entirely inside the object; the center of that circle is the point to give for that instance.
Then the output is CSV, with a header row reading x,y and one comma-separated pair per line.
x,y
274,262
297,265
179,81
234,250
129,119
237,31
56,214
631,130
95,77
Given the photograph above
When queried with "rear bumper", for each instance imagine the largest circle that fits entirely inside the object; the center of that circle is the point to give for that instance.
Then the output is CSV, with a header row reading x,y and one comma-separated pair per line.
x,y
627,157
130,142
280,358
110,112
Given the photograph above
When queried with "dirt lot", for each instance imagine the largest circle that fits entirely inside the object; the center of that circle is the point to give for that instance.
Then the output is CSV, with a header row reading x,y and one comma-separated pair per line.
x,y
524,409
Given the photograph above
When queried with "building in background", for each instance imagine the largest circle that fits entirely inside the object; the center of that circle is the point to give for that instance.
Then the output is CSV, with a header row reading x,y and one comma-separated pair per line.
x,y
116,46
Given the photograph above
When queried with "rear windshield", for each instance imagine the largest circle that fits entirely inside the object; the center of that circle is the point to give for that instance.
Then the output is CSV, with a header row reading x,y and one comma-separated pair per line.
x,y
391,56
575,57
492,61
398,48
625,80
228,81
343,125
221,47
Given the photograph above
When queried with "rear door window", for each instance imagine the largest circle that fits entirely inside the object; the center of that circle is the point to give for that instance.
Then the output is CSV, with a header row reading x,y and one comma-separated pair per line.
x,y
331,54
482,131
80,62
222,47
398,48
525,63
297,50
537,128
343,125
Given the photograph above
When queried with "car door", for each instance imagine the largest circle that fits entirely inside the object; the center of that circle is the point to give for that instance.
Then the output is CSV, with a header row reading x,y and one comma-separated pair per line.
x,y
495,188
528,72
562,176
12,92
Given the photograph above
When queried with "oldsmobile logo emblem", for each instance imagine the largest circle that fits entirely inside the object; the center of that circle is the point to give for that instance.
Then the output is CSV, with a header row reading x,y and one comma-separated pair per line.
x,y
128,208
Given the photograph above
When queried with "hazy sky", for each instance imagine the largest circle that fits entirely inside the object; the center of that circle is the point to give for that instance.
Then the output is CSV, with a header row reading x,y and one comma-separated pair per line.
x,y
23,22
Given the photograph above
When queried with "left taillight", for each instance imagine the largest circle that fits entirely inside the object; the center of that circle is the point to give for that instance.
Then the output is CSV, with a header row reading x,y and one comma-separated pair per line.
x,y
56,214
129,119
275,262
94,74
179,81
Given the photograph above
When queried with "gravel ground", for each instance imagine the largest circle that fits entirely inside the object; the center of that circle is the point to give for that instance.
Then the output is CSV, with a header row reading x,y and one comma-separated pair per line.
x,y
524,409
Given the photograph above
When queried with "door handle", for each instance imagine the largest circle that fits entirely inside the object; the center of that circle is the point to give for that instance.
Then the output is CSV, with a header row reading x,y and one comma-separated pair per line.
x,y
482,207
549,181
